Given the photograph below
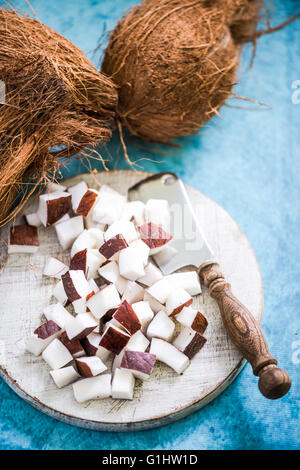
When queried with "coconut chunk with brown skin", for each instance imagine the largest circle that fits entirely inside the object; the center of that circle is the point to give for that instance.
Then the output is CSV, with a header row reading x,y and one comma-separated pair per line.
x,y
68,231
154,236
127,318
80,326
133,292
75,284
54,268
167,353
114,339
64,376
122,387
123,227
58,314
92,238
57,355
83,198
193,319
90,366
42,337
53,206
161,327
140,364
92,388
152,275
177,300
104,300
112,247
91,345
137,342
23,239
73,345
189,342
88,261
157,211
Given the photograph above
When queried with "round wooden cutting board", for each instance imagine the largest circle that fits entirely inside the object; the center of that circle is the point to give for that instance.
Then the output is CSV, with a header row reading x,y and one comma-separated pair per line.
x,y
165,397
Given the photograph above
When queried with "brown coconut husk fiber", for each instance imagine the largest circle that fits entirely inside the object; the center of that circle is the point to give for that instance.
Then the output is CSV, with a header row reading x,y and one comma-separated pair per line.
x,y
175,62
54,97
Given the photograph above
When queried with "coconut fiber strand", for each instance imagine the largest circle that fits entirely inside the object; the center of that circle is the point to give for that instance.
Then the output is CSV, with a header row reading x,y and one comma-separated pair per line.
x,y
54,98
175,62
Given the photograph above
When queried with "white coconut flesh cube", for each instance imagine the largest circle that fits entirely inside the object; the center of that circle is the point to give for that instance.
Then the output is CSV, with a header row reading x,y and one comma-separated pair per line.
x,y
165,255
169,355
89,220
68,231
123,227
144,250
92,388
137,342
140,364
177,300
54,268
104,300
91,345
153,303
157,211
53,206
152,275
59,293
135,212
92,238
143,312
90,366
64,218
193,319
131,264
122,387
77,192
58,314
93,286
110,273
56,188
133,292
42,336
75,284
64,376
88,261
109,207
57,355
33,219
80,326
161,290
188,281
161,327
189,342
23,239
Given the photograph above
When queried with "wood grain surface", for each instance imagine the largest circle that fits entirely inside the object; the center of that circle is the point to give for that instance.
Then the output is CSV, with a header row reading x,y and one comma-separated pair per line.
x,y
165,397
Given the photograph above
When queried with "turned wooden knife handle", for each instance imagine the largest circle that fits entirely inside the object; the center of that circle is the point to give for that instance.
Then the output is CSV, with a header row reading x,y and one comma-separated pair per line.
x,y
246,334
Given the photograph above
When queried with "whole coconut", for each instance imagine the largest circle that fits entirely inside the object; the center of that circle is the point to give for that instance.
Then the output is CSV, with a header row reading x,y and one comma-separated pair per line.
x,y
175,62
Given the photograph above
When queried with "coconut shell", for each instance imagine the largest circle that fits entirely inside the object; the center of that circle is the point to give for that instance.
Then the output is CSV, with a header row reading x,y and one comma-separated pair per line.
x,y
54,98
175,62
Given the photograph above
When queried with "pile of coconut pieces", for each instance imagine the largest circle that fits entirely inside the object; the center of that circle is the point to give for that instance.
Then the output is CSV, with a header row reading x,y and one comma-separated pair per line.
x,y
112,334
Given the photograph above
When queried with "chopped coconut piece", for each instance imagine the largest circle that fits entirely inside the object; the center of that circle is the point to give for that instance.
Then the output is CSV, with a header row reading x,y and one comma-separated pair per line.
x,y
193,319
137,342
143,250
57,355
93,286
133,292
58,314
161,327
161,290
68,231
53,206
42,337
56,188
54,268
127,318
23,239
143,312
104,300
152,275
59,293
64,218
167,353
154,236
123,227
75,284
90,366
188,281
112,247
122,385
91,344
33,219
189,342
134,211
92,238
88,261
92,388
64,376
157,211
109,207
164,256
114,339
154,304
73,345
140,364
177,300
131,263
80,326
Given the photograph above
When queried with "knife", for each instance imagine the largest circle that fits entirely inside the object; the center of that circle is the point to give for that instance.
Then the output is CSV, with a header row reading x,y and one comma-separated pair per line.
x,y
193,249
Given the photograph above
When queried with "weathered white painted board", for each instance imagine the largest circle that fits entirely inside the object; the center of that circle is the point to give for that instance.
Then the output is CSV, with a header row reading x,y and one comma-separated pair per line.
x,y
165,397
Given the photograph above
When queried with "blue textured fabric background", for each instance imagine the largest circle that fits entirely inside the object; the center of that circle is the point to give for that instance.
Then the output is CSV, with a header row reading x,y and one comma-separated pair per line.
x,y
249,163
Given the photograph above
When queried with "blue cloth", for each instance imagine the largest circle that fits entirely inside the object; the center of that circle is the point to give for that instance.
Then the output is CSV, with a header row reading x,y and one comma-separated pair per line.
x,y
249,163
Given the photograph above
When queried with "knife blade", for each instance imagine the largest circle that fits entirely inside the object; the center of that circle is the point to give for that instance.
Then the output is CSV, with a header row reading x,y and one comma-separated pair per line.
x,y
192,248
